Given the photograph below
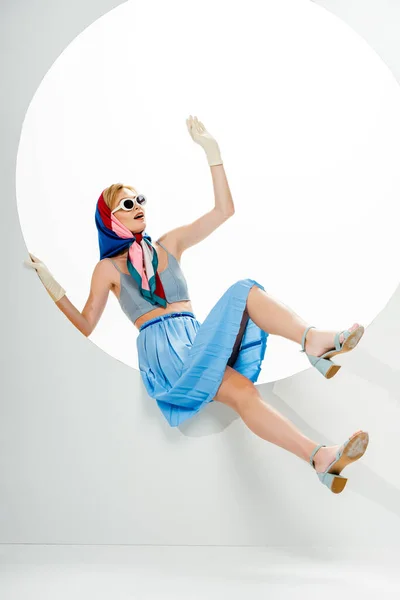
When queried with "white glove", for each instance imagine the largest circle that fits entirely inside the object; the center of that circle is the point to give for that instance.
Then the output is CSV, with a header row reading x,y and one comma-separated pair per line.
x,y
52,286
200,135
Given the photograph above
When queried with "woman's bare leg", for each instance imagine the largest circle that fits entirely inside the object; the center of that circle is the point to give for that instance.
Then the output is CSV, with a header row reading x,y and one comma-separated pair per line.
x,y
276,318
241,394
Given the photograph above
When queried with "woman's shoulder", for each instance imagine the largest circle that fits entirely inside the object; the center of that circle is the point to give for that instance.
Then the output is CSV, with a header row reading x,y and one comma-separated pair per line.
x,y
105,264
106,272
169,243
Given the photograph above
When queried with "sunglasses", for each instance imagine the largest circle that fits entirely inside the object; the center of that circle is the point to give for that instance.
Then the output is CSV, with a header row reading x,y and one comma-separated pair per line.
x,y
129,203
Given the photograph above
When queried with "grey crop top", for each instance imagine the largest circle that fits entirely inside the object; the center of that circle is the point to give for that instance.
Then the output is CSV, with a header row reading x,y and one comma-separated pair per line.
x,y
175,286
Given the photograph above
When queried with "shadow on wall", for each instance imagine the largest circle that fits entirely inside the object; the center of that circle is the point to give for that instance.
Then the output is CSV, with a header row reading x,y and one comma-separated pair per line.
x,y
212,419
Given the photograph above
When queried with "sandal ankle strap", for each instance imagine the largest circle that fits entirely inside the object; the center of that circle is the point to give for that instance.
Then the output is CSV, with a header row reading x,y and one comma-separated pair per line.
x,y
313,453
303,340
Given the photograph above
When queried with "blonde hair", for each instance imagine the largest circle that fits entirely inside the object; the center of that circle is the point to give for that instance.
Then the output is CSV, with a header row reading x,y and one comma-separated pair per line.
x,y
110,193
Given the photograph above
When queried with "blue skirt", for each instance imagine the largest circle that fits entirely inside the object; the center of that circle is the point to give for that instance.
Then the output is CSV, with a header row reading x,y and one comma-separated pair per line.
x,y
182,361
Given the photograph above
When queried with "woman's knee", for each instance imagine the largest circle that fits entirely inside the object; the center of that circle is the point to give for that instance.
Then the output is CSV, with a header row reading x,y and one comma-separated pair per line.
x,y
237,391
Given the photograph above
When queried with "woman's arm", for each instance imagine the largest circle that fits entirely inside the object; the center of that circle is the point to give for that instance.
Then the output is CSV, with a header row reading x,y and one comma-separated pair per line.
x,y
222,193
73,314
100,288
183,237
101,283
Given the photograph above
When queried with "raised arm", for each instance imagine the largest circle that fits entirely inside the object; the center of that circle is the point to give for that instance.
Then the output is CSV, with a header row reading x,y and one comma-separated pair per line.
x,y
188,235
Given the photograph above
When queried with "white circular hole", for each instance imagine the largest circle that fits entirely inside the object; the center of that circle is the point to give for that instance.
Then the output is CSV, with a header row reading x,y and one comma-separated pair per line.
x,y
306,116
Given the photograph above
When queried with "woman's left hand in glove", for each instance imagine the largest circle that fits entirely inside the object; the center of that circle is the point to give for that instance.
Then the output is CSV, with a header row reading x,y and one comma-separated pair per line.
x,y
200,135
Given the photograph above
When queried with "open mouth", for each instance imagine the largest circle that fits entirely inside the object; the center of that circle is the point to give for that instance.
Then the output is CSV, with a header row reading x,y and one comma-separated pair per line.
x,y
139,216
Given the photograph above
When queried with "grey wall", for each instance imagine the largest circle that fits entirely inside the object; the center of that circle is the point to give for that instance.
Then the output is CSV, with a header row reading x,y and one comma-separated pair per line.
x,y
86,457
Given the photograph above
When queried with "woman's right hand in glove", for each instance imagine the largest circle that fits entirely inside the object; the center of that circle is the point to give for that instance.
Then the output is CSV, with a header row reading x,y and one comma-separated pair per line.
x,y
201,136
52,286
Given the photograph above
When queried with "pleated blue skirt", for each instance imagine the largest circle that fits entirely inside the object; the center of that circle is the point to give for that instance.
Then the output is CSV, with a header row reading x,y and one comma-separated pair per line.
x,y
182,361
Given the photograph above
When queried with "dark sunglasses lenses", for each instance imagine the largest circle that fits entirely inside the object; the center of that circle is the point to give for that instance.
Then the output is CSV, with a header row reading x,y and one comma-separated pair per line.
x,y
129,203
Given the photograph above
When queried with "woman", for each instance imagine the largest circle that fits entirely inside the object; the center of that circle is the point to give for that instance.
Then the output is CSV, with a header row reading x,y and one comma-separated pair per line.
x,y
185,364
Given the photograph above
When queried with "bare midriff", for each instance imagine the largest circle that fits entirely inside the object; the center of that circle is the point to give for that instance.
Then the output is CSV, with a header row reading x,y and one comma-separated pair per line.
x,y
184,305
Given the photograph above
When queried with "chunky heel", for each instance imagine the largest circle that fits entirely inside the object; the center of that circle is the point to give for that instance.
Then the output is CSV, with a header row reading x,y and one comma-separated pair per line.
x,y
351,450
335,483
323,363
324,366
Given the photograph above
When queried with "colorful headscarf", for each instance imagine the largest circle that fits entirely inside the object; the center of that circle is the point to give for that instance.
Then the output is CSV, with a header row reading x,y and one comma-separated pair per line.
x,y
142,259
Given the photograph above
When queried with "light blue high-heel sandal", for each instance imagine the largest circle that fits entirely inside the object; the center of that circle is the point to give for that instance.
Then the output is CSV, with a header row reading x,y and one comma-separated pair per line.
x,y
322,363
350,451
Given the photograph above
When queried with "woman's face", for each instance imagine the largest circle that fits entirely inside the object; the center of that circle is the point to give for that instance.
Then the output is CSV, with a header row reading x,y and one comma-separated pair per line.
x,y
127,217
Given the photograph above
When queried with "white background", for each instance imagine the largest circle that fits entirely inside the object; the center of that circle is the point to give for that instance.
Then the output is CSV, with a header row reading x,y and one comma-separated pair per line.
x,y
86,457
